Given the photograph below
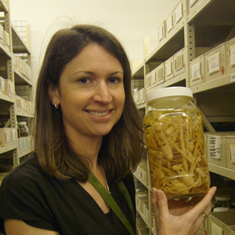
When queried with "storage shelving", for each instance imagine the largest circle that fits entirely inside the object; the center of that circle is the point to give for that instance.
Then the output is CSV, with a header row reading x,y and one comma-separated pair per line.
x,y
16,98
204,25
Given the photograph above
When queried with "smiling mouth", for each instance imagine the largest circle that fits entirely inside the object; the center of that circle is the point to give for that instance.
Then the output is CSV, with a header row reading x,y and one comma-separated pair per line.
x,y
99,114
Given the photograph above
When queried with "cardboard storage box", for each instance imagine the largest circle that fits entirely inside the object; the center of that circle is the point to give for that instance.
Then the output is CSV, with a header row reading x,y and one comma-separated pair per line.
x,y
10,88
230,56
215,62
230,152
230,230
218,147
169,71
178,14
179,62
2,86
197,71
160,73
162,31
149,78
219,221
142,95
170,24
7,136
136,95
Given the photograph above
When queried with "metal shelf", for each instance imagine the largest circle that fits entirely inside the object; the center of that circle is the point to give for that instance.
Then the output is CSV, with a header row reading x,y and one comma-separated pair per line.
x,y
21,79
18,45
138,73
8,148
223,171
215,83
3,6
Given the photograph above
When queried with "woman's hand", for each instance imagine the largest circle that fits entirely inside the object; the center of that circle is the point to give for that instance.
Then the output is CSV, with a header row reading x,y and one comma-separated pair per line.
x,y
180,217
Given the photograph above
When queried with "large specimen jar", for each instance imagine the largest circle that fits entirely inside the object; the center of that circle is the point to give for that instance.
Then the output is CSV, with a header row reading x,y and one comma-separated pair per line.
x,y
175,143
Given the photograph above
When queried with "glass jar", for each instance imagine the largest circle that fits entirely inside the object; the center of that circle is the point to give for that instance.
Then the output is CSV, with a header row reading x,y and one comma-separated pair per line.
x,y
23,129
175,143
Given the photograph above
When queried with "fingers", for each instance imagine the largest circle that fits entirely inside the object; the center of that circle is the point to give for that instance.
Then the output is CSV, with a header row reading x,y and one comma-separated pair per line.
x,y
204,205
159,200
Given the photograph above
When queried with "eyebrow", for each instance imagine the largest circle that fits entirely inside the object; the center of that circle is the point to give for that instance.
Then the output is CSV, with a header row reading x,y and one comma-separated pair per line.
x,y
92,73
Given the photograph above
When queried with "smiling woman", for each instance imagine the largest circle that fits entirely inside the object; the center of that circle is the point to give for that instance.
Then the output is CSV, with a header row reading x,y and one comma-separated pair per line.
x,y
86,123
88,141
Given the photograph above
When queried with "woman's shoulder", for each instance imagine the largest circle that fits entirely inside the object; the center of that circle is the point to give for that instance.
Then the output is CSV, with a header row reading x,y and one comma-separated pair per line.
x,y
27,171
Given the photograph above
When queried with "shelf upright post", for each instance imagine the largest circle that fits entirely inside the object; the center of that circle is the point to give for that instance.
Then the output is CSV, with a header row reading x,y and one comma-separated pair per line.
x,y
189,41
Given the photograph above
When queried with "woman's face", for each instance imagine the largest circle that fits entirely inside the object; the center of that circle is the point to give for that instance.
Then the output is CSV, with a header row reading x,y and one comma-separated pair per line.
x,y
91,93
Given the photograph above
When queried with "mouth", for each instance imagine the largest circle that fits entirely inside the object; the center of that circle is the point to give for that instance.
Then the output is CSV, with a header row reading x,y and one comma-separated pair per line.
x,y
98,114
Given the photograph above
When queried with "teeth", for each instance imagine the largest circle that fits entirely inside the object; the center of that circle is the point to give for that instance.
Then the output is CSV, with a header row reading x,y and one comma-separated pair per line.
x,y
100,114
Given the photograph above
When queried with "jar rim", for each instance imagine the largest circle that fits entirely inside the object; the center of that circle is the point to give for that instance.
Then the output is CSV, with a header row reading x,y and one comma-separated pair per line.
x,y
169,91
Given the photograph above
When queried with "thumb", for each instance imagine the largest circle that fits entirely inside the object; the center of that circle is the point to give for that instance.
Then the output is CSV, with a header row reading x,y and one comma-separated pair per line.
x,y
160,204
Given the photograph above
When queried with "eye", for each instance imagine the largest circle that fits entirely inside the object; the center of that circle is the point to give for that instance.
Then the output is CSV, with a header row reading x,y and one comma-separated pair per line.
x,y
115,80
84,80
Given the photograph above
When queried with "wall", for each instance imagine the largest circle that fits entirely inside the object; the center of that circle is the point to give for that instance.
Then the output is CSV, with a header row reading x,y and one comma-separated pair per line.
x,y
129,20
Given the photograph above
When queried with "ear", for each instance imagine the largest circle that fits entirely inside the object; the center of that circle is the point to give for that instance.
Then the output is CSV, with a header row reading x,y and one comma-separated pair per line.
x,y
54,95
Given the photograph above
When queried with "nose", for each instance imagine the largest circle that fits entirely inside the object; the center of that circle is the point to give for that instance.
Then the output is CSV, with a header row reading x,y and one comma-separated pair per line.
x,y
102,93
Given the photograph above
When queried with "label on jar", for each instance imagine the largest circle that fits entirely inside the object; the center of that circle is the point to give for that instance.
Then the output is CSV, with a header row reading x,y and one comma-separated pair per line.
x,y
214,143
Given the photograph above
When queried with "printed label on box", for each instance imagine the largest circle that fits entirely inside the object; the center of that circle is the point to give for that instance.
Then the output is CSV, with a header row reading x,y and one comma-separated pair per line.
x,y
214,63
196,71
214,143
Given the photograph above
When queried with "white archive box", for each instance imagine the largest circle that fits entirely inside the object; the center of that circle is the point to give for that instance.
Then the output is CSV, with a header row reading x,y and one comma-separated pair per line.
x,y
218,147
169,71
179,59
197,70
215,62
1,34
148,79
170,24
230,56
142,95
2,86
136,95
230,230
153,78
160,74
178,14
219,221
162,31
231,152
10,88
7,136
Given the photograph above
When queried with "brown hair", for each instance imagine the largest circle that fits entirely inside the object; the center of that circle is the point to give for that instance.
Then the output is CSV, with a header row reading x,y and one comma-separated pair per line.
x,y
121,149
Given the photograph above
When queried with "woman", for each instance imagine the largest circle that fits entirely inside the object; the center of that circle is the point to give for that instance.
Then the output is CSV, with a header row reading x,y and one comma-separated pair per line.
x,y
88,141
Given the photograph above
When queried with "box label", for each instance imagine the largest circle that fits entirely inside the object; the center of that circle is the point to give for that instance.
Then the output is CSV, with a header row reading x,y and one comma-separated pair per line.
x,y
196,71
214,63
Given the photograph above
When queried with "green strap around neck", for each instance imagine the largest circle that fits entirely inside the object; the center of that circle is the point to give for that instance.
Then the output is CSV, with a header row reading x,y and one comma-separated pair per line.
x,y
111,202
